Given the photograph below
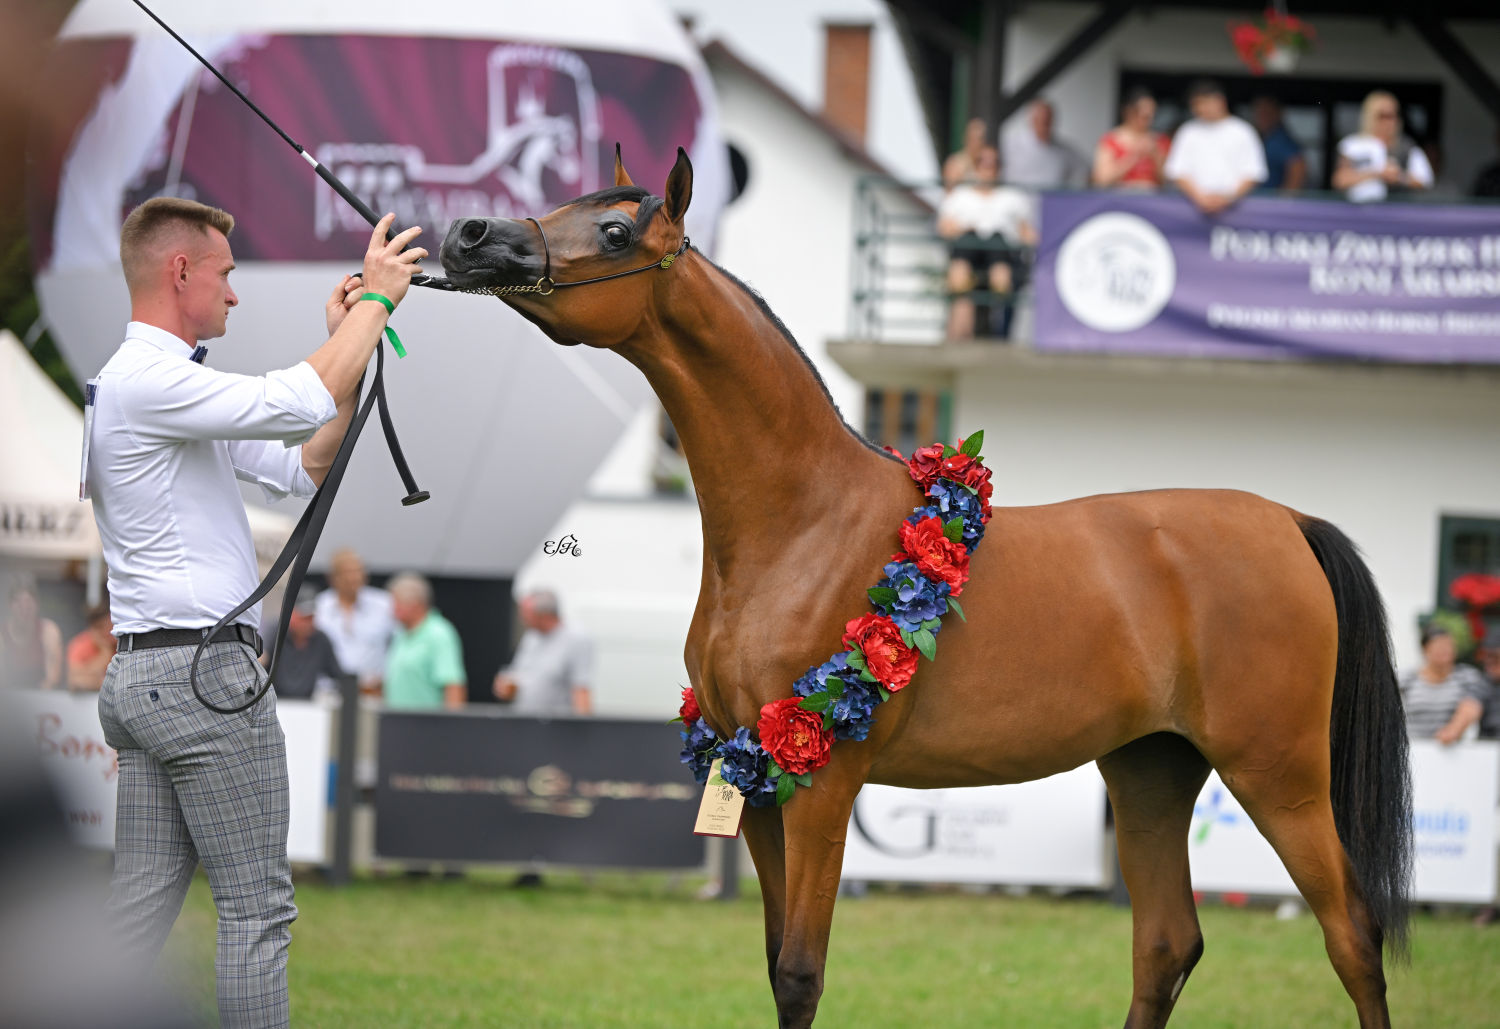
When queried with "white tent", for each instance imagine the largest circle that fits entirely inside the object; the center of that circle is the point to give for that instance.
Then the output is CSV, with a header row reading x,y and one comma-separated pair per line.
x,y
42,522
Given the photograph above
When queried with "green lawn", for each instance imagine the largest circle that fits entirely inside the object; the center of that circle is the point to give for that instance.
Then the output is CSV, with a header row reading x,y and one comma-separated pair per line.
x,y
641,952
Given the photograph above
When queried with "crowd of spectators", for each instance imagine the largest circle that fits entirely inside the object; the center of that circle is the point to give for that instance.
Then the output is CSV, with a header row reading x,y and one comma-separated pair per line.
x,y
1214,159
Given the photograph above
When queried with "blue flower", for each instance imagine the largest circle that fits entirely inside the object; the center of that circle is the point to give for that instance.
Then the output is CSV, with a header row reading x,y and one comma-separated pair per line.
x,y
816,679
698,745
917,599
744,768
853,710
954,499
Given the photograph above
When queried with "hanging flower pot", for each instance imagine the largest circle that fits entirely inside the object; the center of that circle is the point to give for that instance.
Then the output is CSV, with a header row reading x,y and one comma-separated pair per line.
x,y
1275,43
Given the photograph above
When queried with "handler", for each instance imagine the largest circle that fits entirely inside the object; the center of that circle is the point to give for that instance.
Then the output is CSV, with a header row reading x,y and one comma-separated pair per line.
x,y
169,438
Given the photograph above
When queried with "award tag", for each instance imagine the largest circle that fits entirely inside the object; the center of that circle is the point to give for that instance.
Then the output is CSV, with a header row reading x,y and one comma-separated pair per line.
x,y
90,394
722,805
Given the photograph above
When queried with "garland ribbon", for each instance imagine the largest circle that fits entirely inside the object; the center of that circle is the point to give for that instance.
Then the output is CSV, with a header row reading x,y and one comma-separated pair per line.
x,y
837,699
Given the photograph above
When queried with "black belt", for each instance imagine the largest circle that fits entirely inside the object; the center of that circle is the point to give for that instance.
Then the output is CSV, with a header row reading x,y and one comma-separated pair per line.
x,y
188,638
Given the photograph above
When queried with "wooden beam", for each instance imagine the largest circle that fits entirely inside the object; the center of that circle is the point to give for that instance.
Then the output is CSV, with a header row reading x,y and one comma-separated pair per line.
x,y
1459,60
989,65
1111,13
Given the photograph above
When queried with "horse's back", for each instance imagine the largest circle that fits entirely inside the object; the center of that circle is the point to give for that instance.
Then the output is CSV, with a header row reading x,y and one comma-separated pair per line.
x,y
1096,621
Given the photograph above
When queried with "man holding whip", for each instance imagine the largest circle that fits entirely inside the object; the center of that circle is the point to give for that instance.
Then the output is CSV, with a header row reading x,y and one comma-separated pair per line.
x,y
167,439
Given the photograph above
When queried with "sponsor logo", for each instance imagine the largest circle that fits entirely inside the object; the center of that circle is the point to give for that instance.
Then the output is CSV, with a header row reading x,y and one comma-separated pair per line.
x,y
1115,272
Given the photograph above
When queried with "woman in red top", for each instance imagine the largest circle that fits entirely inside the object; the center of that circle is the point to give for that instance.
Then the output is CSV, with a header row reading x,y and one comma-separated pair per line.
x,y
1130,155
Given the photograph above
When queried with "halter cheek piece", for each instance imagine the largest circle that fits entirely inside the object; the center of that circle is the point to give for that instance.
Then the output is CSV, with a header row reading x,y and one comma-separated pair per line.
x,y
545,286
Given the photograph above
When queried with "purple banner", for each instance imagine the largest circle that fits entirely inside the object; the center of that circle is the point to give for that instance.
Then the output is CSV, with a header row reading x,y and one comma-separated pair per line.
x,y
1272,278
430,128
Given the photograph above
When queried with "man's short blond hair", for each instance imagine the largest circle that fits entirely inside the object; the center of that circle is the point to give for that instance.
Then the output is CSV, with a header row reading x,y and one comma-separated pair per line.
x,y
150,225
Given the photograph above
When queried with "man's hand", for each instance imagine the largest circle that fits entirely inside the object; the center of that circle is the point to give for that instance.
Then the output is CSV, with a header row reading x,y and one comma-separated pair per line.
x,y
504,688
345,295
388,269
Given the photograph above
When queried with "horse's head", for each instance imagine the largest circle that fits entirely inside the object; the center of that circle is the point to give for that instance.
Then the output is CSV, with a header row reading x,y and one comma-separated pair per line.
x,y
572,271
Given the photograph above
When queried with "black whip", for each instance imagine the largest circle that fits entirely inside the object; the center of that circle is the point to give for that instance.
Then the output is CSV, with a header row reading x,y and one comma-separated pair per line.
x,y
303,541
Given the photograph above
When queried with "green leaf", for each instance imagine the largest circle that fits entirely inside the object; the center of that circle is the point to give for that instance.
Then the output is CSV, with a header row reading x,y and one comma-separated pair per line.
x,y
932,623
948,451
953,528
856,657
805,779
926,643
867,675
835,687
773,770
827,720
816,702
785,786
974,444
677,719
973,491
881,594
885,694
957,610
906,638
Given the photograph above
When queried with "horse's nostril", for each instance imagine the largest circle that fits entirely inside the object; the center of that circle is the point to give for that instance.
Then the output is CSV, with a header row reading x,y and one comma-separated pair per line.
x,y
473,232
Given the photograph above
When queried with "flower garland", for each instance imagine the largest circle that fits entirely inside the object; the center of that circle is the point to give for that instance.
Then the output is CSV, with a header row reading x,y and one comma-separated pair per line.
x,y
837,699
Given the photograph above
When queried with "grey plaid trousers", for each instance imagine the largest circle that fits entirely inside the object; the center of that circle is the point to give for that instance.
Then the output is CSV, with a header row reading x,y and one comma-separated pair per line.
x,y
196,785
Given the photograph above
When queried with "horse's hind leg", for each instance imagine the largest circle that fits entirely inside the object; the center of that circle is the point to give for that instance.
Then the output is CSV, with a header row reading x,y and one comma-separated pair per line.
x,y
767,842
1289,802
1153,783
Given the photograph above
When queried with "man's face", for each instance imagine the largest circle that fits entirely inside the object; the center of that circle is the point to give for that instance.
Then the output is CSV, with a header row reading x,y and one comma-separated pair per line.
x,y
301,625
347,576
987,165
407,611
1210,106
1041,121
206,295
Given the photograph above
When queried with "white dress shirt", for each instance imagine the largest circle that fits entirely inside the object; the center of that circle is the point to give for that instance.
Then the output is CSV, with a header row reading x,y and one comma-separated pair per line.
x,y
1218,157
360,636
169,438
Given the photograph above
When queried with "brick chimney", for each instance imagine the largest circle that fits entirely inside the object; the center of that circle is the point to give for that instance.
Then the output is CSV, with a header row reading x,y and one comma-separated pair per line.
x,y
846,77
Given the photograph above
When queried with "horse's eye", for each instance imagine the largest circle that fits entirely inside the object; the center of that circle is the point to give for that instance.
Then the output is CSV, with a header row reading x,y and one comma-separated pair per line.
x,y
616,235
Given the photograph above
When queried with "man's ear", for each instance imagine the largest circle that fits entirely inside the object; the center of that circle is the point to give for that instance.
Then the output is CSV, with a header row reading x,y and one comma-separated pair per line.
x,y
679,191
180,265
622,177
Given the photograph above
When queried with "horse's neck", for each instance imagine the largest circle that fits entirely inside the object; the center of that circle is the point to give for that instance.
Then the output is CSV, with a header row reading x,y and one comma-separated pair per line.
x,y
761,437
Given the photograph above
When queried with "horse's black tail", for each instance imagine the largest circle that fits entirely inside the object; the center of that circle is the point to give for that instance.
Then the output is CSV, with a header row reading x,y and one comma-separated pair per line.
x,y
1371,788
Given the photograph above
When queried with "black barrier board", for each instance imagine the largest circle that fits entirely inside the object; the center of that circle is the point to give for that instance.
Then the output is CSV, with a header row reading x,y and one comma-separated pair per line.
x,y
587,791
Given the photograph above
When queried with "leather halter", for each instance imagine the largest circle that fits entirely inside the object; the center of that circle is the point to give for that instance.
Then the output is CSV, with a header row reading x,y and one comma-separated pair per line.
x,y
545,285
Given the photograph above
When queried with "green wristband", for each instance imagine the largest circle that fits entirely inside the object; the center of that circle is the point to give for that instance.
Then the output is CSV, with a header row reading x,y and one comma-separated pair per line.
x,y
390,333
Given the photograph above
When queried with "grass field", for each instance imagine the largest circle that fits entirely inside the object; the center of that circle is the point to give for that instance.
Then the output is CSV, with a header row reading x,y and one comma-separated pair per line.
x,y
640,952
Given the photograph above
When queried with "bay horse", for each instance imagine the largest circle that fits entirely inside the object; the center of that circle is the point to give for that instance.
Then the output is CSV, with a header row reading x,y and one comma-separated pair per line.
x,y
1159,634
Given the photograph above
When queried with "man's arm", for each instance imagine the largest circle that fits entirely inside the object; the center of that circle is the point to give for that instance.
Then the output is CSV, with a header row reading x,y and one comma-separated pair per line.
x,y
354,332
455,696
583,700
1465,715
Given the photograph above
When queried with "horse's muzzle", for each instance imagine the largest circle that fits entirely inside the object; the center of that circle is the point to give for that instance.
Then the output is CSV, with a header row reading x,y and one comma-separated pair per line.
x,y
481,252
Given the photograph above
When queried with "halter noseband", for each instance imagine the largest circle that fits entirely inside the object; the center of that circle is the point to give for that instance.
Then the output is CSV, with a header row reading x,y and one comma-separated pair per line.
x,y
544,286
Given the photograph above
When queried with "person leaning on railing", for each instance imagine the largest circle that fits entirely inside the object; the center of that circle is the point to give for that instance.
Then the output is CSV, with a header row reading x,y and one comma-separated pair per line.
x,y
1443,699
1131,155
1378,160
985,223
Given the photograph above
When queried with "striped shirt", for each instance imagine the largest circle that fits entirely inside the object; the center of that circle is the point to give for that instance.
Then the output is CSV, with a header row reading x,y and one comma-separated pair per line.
x,y
1430,705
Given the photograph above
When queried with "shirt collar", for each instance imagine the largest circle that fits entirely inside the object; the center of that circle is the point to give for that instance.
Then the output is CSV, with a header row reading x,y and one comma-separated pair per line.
x,y
161,339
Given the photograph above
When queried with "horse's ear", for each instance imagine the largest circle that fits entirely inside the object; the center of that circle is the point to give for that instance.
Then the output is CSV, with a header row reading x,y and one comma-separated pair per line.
x,y
622,177
679,191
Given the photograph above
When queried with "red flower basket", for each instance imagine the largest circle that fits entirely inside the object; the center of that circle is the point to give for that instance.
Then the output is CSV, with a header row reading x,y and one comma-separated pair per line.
x,y
1277,34
1476,591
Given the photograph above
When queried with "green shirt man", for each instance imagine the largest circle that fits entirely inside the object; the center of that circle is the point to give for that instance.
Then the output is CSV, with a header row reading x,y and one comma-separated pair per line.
x,y
425,666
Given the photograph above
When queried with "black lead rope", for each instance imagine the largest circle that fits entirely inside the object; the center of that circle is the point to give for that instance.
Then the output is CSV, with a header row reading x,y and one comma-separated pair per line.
x,y
299,548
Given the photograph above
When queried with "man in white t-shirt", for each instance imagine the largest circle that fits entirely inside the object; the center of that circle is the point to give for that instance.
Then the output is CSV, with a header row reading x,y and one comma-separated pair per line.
x,y
1216,158
984,222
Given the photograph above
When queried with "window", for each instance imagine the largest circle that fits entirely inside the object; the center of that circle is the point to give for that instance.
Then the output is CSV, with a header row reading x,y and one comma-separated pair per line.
x,y
1467,545
907,418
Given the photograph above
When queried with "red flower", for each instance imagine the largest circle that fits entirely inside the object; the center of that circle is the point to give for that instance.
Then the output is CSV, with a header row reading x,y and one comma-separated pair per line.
x,y
890,660
1476,589
689,710
965,469
795,739
926,464
937,556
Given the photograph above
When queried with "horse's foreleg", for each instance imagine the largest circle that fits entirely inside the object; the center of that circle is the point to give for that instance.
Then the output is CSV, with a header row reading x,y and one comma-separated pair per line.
x,y
1152,785
767,843
815,822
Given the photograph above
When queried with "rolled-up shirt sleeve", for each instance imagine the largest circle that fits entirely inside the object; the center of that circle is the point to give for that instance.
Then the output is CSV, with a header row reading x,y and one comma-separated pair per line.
x,y
174,400
275,468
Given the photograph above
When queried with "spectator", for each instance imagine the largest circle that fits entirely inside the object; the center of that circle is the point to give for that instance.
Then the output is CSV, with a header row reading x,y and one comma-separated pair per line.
x,y
89,652
1286,168
553,666
1131,155
1216,158
425,666
309,660
31,652
963,164
1487,182
984,223
1442,699
1037,159
1489,663
1378,159
356,618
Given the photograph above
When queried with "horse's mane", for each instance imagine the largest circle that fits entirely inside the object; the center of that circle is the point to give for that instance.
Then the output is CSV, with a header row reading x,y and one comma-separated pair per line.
x,y
765,309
